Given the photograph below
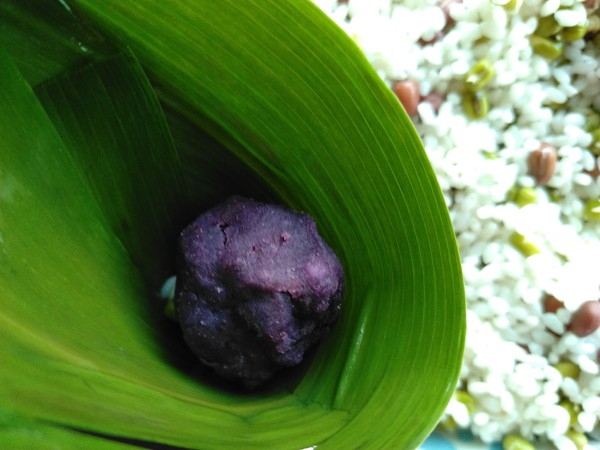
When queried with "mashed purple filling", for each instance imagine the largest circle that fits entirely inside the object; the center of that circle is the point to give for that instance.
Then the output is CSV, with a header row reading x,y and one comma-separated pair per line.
x,y
256,287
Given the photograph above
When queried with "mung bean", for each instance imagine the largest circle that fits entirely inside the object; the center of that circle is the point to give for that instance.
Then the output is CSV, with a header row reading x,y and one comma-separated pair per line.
x,y
570,407
514,442
526,247
595,145
592,121
475,104
568,369
512,5
479,75
591,210
547,26
572,34
525,196
466,399
579,439
545,47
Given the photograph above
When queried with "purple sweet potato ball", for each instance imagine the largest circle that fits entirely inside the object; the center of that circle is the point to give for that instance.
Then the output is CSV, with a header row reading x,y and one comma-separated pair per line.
x,y
256,287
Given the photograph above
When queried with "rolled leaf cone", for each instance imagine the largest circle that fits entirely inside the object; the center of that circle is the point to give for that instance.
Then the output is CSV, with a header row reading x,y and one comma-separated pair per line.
x,y
99,166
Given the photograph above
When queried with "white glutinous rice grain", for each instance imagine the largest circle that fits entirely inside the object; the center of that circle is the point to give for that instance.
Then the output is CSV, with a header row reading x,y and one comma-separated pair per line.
x,y
521,362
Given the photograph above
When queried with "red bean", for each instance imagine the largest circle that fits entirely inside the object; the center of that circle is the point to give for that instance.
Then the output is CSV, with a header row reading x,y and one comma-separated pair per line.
x,y
552,304
435,98
594,172
542,163
436,37
586,319
445,5
409,95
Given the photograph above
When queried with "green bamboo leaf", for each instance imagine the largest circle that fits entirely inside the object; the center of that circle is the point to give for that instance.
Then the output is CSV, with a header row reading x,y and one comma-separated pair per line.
x,y
19,434
43,39
129,159
83,350
285,90
306,110
211,172
56,254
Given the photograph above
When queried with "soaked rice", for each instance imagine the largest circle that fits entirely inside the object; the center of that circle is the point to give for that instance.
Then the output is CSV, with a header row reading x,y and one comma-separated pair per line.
x,y
512,345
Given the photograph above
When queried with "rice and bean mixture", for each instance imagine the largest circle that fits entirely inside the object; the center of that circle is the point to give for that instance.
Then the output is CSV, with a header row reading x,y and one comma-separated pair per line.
x,y
505,95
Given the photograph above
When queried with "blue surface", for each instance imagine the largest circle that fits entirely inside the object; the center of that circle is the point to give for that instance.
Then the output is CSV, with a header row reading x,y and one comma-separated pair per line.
x,y
437,442
463,440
